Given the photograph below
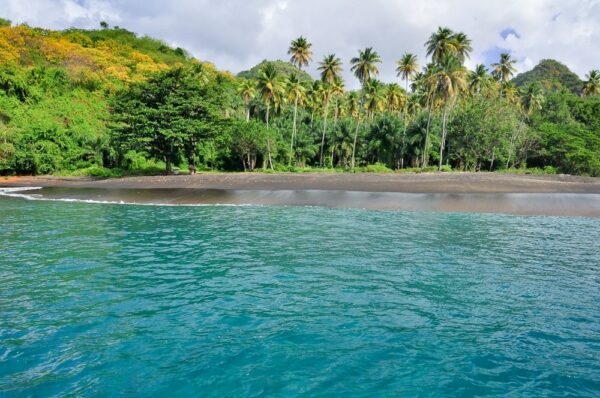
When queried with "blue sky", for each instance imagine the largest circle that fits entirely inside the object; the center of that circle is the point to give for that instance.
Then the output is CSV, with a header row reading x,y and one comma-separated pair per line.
x,y
236,34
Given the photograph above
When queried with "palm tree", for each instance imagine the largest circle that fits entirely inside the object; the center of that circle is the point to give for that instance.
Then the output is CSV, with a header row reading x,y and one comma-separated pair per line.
x,y
478,79
428,82
395,98
296,94
532,98
592,84
247,90
269,87
330,68
364,67
407,69
462,46
451,80
374,97
440,44
300,52
337,91
301,55
504,69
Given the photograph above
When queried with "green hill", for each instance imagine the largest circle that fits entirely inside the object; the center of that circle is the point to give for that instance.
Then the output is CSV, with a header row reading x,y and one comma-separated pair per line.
x,y
284,68
552,75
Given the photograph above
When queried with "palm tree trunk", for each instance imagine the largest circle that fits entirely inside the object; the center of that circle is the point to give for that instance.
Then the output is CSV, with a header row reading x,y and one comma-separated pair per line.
x,y
493,155
293,130
425,149
404,132
362,100
269,138
324,130
442,144
247,113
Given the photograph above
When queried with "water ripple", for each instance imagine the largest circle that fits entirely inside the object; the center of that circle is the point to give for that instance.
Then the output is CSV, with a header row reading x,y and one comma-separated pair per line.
x,y
109,300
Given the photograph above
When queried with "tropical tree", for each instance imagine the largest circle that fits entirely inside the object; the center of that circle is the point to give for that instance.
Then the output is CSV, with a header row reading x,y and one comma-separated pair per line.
x,y
462,46
532,98
247,90
301,55
478,79
300,52
592,84
296,93
374,97
451,80
330,68
407,69
505,68
364,67
270,87
395,98
440,44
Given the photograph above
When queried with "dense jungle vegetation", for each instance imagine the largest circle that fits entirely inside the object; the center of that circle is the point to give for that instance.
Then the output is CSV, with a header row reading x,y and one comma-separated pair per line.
x,y
109,102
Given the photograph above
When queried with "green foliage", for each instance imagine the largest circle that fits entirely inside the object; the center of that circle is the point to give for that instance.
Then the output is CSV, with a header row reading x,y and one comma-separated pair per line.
x,y
108,103
552,75
282,68
169,115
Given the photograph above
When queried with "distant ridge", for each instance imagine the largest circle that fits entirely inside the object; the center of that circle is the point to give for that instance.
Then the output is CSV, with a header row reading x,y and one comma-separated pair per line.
x,y
284,68
552,75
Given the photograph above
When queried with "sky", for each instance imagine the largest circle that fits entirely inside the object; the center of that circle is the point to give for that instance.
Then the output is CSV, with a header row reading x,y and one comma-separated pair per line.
x,y
237,34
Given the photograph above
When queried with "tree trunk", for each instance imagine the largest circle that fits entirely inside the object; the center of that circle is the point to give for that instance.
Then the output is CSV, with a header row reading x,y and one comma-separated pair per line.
x,y
324,130
442,144
293,130
354,145
269,138
425,161
168,166
404,132
247,114
493,156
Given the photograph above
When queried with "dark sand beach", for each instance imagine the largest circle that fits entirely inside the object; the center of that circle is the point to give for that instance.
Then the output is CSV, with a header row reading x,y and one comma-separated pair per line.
x,y
465,192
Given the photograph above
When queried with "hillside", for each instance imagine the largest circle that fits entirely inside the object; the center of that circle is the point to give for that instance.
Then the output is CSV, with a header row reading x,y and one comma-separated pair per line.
x,y
552,75
56,89
284,68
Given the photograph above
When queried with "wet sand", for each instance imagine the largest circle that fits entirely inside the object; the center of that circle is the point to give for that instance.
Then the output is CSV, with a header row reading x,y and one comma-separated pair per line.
x,y
363,182
462,192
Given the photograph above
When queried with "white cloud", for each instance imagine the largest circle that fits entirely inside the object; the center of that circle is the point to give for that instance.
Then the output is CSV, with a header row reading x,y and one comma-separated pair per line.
x,y
236,34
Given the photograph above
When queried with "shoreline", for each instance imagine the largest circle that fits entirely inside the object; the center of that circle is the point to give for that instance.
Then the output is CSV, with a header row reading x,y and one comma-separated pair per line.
x,y
478,193
359,182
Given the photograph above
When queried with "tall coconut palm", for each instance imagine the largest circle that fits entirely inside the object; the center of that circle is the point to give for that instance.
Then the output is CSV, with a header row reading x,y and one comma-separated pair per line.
x,y
451,80
407,69
428,83
296,93
478,79
532,98
330,68
395,98
269,86
505,68
364,67
339,110
440,44
247,90
374,97
301,55
462,46
592,83
300,52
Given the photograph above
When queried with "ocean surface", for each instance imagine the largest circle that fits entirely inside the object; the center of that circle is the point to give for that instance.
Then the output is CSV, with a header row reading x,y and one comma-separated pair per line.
x,y
102,300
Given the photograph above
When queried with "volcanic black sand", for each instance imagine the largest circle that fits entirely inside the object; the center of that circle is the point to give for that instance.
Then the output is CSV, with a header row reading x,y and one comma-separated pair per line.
x,y
482,192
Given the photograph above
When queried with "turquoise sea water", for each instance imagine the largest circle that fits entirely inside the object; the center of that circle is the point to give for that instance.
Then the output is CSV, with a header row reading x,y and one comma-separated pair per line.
x,y
119,300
